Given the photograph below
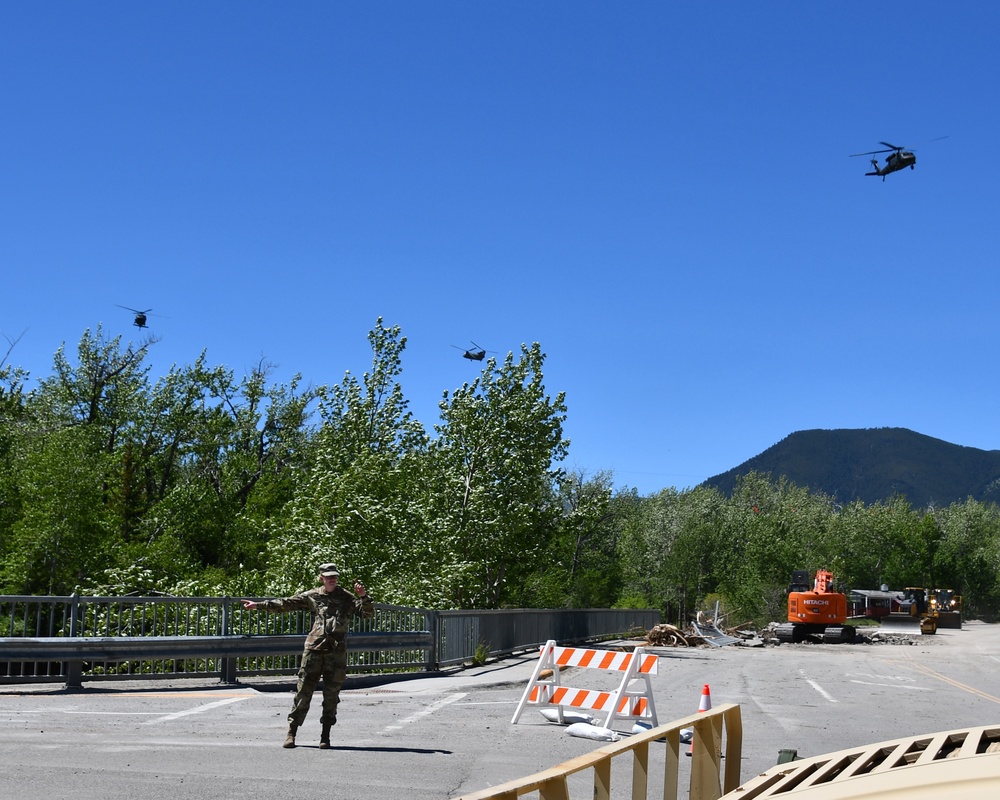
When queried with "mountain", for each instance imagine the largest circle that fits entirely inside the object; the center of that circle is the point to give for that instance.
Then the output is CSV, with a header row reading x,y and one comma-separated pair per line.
x,y
874,464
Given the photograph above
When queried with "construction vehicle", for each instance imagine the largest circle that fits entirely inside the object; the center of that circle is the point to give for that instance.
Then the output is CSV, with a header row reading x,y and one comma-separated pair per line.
x,y
916,614
815,611
946,607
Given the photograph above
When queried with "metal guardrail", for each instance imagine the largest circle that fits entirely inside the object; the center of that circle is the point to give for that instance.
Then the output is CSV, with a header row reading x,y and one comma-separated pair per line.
x,y
47,639
712,635
505,631
223,651
718,734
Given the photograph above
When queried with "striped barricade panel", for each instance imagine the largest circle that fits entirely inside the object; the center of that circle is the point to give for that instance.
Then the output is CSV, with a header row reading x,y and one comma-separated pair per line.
x,y
629,706
624,702
604,659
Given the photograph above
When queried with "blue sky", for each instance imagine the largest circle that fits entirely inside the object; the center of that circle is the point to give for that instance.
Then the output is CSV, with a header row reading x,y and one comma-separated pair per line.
x,y
659,193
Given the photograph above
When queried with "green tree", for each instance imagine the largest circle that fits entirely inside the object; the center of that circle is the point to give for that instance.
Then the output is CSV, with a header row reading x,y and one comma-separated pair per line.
x,y
968,555
579,568
771,528
14,424
667,549
498,441
101,390
60,454
109,477
361,503
63,533
241,466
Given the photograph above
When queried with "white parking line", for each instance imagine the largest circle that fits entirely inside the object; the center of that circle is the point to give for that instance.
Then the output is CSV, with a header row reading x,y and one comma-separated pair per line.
x,y
894,686
198,710
488,703
823,692
426,712
74,711
117,713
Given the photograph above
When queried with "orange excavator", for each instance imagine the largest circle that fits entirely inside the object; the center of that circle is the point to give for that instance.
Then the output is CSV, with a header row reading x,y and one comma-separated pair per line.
x,y
815,611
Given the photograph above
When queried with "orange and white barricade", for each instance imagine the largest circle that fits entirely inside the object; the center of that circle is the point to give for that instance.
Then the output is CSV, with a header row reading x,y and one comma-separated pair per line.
x,y
631,700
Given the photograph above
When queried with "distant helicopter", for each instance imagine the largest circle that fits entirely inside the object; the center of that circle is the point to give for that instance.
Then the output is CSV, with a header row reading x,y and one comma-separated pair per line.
x,y
140,316
477,354
901,157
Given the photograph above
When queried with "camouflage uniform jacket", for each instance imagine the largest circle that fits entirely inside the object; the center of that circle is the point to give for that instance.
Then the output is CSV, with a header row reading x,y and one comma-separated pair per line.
x,y
332,613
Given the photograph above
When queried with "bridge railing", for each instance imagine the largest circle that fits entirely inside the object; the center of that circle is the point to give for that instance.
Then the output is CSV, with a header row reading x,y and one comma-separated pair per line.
x,y
76,638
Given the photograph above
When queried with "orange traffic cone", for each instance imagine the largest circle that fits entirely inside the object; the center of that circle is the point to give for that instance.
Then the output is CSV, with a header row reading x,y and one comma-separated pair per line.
x,y
704,704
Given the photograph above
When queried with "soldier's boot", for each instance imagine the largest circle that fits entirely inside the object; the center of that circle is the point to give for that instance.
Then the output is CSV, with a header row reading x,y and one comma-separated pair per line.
x,y
290,738
324,737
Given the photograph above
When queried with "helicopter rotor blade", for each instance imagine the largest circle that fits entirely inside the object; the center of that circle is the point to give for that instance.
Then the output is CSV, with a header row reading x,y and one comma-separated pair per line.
x,y
872,153
909,147
926,141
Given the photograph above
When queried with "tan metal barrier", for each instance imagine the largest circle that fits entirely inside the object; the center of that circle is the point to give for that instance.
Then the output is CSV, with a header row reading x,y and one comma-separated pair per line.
x,y
718,735
959,763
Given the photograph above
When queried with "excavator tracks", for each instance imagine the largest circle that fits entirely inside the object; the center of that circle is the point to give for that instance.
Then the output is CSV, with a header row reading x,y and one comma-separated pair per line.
x,y
831,634
839,635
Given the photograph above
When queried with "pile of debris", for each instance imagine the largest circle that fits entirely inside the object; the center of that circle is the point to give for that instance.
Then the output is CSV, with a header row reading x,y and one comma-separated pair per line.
x,y
666,635
700,634
711,634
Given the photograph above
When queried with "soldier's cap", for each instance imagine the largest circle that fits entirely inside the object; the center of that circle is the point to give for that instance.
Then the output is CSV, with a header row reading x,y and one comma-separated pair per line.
x,y
328,570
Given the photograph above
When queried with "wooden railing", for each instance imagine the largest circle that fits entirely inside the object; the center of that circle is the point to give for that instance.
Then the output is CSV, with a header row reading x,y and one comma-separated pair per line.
x,y
718,736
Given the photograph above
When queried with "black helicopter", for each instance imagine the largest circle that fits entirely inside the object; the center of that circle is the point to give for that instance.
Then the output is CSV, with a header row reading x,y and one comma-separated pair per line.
x,y
901,157
140,316
476,354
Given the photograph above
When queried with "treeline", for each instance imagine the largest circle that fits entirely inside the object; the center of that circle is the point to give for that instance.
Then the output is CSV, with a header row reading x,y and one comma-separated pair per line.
x,y
207,483
204,482
689,549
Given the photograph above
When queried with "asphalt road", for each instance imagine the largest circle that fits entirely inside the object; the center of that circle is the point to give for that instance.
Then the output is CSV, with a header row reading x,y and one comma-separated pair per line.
x,y
440,737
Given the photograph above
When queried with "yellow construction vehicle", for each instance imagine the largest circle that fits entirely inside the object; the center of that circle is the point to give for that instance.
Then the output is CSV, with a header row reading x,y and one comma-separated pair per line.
x,y
946,607
921,608
915,616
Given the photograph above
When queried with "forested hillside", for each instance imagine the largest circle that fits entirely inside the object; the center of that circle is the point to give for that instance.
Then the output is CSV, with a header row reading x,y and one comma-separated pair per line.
x,y
204,482
874,465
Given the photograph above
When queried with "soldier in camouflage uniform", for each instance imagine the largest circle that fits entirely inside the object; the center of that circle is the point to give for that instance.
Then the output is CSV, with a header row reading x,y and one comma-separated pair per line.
x,y
325,654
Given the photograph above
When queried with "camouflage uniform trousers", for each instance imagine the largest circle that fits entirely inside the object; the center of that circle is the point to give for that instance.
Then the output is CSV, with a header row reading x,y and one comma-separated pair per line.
x,y
331,666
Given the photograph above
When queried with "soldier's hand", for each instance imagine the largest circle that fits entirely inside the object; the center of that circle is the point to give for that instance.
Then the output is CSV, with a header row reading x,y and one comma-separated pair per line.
x,y
249,604
359,590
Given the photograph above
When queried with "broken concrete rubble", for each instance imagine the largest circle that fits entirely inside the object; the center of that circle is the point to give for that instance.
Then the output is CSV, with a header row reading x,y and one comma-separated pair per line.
x,y
667,635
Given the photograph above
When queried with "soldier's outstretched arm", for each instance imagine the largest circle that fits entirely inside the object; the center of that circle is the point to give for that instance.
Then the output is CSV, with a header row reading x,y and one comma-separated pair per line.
x,y
278,605
364,603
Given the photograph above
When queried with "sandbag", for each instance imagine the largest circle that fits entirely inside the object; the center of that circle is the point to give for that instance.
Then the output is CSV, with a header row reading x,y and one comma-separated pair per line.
x,y
568,717
585,731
